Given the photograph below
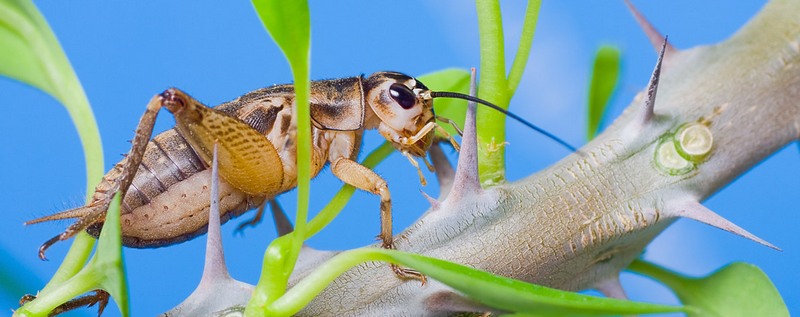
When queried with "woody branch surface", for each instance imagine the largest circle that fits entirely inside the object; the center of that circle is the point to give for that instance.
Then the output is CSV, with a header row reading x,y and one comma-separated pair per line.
x,y
576,224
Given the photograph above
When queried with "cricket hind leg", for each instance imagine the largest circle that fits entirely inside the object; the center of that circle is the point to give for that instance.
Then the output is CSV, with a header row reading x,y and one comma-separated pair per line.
x,y
363,178
115,181
99,298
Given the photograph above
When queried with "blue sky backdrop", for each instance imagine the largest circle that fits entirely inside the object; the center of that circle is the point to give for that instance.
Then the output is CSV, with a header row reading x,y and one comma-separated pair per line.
x,y
124,53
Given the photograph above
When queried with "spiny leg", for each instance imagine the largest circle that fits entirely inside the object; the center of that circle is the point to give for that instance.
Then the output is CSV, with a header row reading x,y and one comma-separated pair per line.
x,y
449,137
253,221
100,298
116,180
365,179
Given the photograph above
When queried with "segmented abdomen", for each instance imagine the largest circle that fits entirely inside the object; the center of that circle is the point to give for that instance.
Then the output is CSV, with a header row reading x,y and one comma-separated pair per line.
x,y
167,160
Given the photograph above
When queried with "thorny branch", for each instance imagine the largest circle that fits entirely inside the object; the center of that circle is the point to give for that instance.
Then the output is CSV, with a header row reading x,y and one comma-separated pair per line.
x,y
578,223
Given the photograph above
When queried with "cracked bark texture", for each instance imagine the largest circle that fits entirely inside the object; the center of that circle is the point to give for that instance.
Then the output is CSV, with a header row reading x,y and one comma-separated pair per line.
x,y
576,224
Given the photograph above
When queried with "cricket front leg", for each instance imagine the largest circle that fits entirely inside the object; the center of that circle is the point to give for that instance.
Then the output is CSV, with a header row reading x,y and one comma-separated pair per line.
x,y
115,181
365,179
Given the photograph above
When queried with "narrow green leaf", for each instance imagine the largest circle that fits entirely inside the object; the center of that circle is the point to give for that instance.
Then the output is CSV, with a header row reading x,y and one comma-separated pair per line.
x,y
288,22
454,80
738,289
605,74
517,296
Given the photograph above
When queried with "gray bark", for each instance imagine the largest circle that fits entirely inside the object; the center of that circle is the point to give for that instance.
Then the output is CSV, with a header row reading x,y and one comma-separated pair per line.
x,y
578,223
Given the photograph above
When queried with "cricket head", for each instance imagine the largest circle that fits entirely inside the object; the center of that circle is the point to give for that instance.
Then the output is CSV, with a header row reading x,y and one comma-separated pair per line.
x,y
405,109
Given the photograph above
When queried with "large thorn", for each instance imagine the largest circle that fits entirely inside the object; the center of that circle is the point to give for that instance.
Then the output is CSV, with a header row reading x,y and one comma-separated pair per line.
x,y
215,267
444,170
612,288
649,30
217,291
695,210
282,223
449,302
652,88
466,182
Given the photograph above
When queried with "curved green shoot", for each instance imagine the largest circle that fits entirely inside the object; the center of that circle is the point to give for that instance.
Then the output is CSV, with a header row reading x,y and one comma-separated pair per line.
x,y
605,75
488,289
738,289
495,87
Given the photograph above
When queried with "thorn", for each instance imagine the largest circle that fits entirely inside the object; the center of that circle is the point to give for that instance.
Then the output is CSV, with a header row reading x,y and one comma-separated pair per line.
x,y
215,267
652,88
435,204
611,288
695,210
444,170
466,180
282,223
649,30
449,301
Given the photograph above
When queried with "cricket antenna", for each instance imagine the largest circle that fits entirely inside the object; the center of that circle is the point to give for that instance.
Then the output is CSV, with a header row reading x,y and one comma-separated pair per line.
x,y
447,94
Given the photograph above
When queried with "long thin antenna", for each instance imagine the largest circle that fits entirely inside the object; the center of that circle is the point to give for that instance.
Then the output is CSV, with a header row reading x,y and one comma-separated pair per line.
x,y
447,94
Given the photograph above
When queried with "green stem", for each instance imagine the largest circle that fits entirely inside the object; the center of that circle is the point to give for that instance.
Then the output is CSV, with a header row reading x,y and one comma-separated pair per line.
x,y
492,87
525,44
304,291
658,273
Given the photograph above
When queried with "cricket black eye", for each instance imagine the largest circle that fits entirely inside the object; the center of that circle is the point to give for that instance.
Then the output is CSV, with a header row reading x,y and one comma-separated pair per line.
x,y
402,95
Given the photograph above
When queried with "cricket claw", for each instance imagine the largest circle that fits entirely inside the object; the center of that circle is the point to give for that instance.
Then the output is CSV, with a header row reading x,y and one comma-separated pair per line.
x,y
46,245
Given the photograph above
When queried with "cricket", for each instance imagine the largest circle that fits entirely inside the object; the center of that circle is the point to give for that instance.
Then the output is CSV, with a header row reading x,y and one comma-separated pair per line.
x,y
165,180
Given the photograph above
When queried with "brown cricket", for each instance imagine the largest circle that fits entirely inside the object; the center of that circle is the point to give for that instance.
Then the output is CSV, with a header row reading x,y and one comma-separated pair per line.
x,y
166,180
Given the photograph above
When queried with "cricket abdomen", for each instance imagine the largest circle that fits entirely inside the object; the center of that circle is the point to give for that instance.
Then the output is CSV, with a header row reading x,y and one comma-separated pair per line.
x,y
168,200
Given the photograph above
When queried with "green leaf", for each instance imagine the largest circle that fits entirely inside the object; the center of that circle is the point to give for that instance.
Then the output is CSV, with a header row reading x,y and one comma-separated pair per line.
x,y
738,289
453,80
30,53
605,74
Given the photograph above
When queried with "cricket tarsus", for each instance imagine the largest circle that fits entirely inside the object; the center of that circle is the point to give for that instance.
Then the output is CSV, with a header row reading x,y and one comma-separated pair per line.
x,y
99,298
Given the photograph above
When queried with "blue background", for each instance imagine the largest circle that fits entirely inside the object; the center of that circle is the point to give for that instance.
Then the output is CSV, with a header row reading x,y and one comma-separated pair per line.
x,y
124,53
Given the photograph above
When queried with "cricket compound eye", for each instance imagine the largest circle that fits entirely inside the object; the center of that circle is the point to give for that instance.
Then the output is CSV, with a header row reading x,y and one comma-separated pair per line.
x,y
402,95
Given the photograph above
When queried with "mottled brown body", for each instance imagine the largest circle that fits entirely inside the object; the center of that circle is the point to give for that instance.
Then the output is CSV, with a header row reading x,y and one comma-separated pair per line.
x,y
167,184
